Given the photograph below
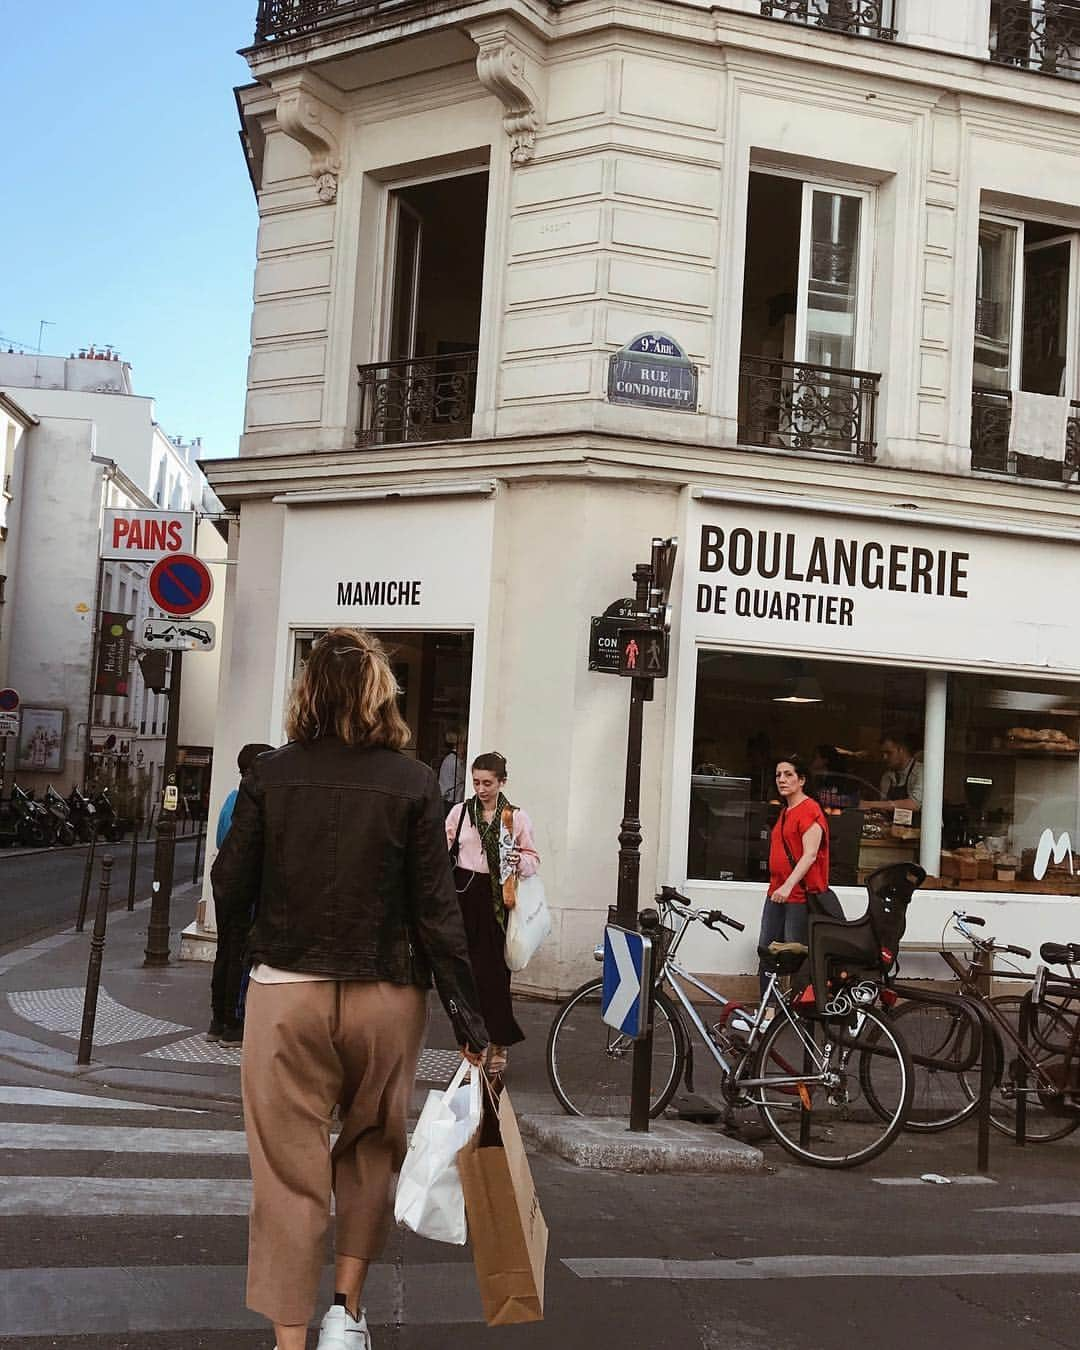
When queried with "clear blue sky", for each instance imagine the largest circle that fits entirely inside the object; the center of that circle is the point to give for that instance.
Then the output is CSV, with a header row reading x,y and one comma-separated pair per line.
x,y
128,215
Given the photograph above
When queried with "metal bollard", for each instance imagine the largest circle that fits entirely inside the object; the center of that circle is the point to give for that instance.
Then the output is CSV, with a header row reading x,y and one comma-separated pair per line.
x,y
84,898
1024,1031
198,852
134,865
93,970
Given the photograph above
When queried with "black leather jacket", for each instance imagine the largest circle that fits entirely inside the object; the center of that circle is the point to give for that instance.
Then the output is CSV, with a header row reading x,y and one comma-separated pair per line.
x,y
341,853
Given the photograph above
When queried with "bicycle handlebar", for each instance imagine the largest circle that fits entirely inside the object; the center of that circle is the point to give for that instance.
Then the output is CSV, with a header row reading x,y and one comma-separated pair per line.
x,y
1017,951
709,917
969,918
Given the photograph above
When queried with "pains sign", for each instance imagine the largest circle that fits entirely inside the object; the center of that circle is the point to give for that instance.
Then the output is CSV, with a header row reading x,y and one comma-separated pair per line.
x,y
146,536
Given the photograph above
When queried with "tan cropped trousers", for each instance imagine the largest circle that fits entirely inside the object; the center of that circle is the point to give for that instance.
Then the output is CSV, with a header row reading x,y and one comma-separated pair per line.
x,y
309,1047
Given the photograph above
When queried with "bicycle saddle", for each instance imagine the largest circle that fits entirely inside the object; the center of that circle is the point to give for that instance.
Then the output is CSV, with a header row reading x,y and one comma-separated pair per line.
x,y
784,958
1060,954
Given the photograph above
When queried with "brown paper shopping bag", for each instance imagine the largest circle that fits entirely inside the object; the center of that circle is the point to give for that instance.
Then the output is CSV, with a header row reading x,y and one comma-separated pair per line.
x,y
506,1228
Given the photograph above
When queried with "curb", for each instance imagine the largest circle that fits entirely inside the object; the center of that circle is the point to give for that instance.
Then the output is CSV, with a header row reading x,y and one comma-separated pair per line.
x,y
670,1146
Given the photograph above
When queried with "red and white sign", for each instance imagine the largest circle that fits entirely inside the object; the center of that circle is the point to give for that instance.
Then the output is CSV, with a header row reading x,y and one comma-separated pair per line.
x,y
146,536
180,585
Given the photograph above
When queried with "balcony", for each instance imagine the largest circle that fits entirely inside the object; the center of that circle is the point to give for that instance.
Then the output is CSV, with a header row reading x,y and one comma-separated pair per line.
x,y
792,405
991,423
857,18
430,398
279,20
1039,35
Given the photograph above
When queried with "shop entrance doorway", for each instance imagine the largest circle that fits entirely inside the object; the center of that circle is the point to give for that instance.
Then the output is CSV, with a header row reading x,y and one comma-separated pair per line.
x,y
434,671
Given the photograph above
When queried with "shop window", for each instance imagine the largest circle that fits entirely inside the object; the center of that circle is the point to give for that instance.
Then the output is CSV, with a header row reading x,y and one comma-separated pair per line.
x,y
859,728
1011,813
1025,417
425,388
805,319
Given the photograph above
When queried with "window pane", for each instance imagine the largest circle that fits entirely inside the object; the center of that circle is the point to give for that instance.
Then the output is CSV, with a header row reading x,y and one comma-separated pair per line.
x,y
832,285
1012,767
751,710
993,305
1046,319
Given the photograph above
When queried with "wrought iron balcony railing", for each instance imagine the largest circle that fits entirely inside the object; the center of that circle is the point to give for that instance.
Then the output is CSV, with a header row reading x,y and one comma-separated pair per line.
x,y
991,421
278,20
792,405
430,398
1040,35
859,18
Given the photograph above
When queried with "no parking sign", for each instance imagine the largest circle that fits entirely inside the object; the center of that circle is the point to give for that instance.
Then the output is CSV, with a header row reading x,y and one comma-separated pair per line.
x,y
180,585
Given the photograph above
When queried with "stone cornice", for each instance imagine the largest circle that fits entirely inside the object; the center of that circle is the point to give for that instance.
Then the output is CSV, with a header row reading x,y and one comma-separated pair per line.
x,y
646,464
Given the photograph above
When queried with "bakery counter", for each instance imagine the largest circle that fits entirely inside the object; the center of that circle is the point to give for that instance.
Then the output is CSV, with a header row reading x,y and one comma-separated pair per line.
x,y
875,853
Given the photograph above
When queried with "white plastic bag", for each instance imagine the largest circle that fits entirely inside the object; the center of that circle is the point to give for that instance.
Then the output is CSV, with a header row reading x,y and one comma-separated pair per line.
x,y
527,924
429,1197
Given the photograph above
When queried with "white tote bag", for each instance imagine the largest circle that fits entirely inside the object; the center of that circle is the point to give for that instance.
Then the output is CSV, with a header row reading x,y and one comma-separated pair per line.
x,y
527,924
429,1197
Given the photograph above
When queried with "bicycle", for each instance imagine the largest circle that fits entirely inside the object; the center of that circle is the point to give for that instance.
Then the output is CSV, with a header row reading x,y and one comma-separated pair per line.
x,y
944,1035
804,1072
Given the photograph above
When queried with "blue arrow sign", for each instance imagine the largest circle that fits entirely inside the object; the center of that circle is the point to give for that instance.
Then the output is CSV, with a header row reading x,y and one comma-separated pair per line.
x,y
627,972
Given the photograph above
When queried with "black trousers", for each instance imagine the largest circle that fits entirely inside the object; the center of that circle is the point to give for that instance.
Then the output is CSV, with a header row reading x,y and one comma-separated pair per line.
x,y
228,975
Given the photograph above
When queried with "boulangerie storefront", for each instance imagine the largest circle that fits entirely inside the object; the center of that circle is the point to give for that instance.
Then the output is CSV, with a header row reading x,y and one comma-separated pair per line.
x,y
927,668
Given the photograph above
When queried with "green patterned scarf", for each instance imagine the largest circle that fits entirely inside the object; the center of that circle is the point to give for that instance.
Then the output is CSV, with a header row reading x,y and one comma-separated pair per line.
x,y
488,830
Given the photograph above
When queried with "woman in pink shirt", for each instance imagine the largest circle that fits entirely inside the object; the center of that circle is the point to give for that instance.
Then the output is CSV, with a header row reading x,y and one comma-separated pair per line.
x,y
491,845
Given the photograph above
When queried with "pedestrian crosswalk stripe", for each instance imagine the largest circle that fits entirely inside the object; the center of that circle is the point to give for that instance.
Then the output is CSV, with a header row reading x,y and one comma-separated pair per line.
x,y
121,1139
939,1266
32,1096
134,1197
112,1300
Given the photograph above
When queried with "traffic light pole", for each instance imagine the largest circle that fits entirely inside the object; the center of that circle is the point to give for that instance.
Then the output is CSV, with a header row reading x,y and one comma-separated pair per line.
x,y
157,934
630,862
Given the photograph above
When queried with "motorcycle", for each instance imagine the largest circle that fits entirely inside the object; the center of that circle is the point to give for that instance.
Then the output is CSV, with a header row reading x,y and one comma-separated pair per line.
x,y
109,824
83,815
34,824
57,809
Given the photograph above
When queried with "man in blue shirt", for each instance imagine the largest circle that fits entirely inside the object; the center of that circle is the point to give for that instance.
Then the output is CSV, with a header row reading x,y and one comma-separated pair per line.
x,y
226,1015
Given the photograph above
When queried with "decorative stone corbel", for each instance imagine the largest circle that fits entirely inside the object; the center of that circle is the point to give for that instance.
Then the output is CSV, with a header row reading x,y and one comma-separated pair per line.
x,y
508,66
307,111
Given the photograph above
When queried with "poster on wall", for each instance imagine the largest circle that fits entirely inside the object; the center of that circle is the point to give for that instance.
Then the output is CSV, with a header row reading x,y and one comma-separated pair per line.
x,y
41,740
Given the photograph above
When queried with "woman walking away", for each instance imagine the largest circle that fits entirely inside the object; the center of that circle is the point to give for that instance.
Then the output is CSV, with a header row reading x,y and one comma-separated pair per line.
x,y
491,843
798,860
337,841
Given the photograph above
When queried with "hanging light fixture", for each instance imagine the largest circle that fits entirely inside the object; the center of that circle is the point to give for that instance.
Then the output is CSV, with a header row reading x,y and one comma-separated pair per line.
x,y
802,689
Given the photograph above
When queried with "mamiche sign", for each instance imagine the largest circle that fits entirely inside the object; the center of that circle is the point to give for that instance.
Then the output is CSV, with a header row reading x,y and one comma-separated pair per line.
x,y
145,536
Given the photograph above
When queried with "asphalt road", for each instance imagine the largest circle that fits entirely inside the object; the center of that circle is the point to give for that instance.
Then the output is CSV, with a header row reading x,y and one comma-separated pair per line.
x,y
124,1228
40,889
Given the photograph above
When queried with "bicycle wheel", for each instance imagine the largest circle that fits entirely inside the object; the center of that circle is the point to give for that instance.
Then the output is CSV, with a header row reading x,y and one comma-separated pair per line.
x,y
1041,1126
589,1064
824,1118
936,1036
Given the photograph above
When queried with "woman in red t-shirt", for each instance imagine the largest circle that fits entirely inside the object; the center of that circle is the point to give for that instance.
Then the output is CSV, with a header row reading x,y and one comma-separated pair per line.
x,y
798,859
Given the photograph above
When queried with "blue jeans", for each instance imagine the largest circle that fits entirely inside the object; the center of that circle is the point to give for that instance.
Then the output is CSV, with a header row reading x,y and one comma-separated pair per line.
x,y
780,923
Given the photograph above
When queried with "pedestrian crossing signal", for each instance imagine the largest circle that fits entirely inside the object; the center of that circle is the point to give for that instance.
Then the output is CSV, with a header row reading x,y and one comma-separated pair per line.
x,y
643,653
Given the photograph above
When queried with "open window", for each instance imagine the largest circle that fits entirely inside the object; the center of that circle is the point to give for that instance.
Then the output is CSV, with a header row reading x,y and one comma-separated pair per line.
x,y
1024,410
806,318
425,388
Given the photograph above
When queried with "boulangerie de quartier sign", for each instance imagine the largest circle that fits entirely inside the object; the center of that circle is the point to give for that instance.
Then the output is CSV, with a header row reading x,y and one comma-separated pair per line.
x,y
923,594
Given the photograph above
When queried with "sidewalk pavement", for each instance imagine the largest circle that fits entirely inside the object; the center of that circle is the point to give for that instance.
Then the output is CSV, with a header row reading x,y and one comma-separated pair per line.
x,y
150,1038
151,1022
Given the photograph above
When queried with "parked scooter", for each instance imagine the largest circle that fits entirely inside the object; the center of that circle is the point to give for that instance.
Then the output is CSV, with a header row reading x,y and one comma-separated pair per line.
x,y
34,827
109,824
62,829
83,815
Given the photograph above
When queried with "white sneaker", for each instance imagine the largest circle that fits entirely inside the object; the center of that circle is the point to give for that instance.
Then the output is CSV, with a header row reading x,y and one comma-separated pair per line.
x,y
338,1331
